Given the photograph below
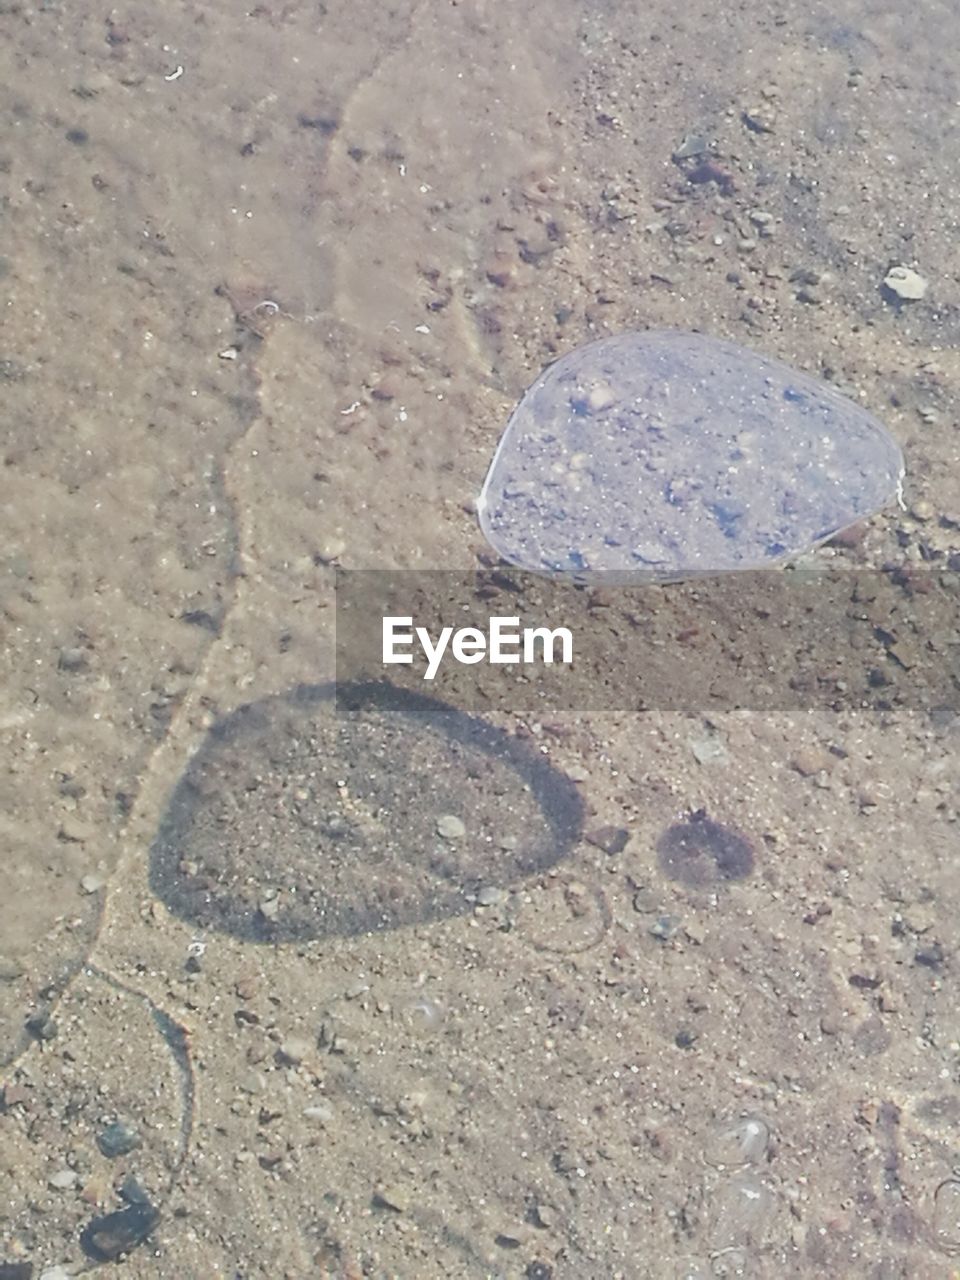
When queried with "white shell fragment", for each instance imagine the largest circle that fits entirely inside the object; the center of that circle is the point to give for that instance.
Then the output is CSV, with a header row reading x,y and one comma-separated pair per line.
x,y
667,453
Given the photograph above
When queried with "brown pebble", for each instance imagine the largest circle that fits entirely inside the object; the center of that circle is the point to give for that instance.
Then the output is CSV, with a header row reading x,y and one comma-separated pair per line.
x,y
851,537
611,840
246,987
14,1095
808,761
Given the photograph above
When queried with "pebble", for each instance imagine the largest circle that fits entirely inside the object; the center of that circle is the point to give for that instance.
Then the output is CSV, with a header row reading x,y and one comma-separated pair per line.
x,y
736,1142
664,928
10,969
92,884
577,773
544,1216
906,284
75,830
450,827
62,1180
809,761
252,1082
269,908
392,1197
106,1238
57,1272
72,660
321,1112
331,550
709,750
295,1049
693,145
490,895
612,840
118,1139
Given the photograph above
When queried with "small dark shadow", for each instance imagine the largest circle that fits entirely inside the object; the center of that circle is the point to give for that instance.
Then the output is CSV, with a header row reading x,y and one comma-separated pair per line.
x,y
308,815
700,852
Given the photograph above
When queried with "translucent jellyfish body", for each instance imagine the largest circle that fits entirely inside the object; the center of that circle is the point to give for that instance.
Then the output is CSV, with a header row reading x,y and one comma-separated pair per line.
x,y
668,453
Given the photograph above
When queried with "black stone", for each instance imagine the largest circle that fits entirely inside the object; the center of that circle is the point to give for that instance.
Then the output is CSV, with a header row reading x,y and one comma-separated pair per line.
x,y
105,1238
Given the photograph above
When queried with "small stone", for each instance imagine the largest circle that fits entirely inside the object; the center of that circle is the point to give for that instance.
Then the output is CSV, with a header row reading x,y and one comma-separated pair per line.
x,y
693,145
247,987
760,119
72,660
62,1180
319,1112
923,510
295,1049
450,827
331,550
932,956
118,1139
577,773
664,928
14,1095
269,908
612,840
392,1197
709,749
42,1026
906,284
95,1191
92,884
544,1216
75,830
510,1239
809,761
106,1238
490,895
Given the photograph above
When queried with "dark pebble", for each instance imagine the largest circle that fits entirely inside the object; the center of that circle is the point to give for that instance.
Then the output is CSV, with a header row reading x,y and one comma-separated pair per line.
x,y
118,1139
42,1026
78,137
931,956
106,1238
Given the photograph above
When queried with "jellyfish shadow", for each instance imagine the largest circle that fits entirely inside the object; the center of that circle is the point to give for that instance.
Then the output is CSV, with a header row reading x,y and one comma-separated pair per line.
x,y
317,813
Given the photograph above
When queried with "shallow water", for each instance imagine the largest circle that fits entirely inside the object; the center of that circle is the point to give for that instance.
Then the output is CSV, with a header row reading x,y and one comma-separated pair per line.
x,y
269,314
